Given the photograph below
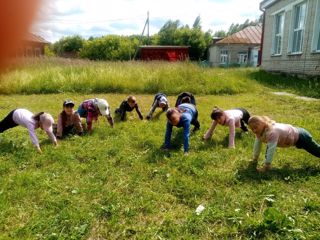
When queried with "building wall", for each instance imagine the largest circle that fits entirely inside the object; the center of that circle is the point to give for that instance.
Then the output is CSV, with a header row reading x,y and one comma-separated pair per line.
x,y
167,54
31,49
214,56
307,63
233,50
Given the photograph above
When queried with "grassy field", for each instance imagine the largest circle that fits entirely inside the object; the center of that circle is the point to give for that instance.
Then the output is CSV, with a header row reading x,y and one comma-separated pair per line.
x,y
118,184
54,75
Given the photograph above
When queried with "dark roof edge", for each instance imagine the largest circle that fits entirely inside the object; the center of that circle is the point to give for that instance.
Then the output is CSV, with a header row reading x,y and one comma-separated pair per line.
x,y
159,46
266,3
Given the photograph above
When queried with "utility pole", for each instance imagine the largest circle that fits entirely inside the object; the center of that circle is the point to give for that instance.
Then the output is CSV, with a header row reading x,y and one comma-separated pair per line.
x,y
148,32
147,24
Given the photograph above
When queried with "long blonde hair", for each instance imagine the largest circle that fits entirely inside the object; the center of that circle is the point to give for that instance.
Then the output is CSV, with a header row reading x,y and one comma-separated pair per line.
x,y
261,120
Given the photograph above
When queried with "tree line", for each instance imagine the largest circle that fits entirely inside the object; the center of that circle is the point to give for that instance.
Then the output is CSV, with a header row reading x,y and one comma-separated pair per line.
x,y
123,48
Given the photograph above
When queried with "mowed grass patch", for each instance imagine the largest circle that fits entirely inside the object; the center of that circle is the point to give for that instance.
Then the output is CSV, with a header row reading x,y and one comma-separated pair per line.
x,y
56,75
117,183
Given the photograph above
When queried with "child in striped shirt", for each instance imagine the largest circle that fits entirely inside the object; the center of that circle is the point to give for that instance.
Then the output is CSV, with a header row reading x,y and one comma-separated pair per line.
x,y
91,109
279,135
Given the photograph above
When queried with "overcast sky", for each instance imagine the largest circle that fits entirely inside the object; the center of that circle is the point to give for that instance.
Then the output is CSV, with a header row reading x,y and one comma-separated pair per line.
x,y
59,18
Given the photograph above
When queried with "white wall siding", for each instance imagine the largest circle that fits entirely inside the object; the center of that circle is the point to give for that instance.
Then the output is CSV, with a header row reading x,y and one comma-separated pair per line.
x,y
307,62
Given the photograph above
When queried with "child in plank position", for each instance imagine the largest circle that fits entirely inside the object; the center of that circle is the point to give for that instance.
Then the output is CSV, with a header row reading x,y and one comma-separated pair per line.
x,y
161,101
185,97
68,121
27,119
281,135
234,118
183,116
127,106
91,109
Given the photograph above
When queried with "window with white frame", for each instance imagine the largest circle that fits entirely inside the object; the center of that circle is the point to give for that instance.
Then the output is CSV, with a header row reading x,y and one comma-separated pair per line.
x,y
299,16
316,33
242,58
278,33
224,56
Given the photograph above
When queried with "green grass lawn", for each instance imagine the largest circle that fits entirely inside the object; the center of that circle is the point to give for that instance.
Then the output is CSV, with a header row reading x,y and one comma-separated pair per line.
x,y
118,184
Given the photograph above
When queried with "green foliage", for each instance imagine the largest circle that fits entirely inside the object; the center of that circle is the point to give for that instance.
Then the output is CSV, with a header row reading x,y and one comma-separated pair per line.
x,y
111,47
48,51
172,33
197,23
275,221
68,45
167,34
236,27
117,184
220,33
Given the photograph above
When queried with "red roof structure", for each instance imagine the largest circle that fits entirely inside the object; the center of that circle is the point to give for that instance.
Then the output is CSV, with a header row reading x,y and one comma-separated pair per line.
x,y
30,37
32,46
249,35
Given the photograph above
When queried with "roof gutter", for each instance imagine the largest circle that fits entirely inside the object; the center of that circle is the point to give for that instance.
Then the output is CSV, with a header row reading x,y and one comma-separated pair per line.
x,y
262,9
263,5
266,3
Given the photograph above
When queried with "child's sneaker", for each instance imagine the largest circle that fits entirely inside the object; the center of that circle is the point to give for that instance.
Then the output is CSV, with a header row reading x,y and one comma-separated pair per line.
x,y
265,168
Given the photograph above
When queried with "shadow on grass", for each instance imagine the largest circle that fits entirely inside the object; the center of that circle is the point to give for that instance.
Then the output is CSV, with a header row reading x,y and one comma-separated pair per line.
x,y
225,141
287,173
158,155
117,118
7,146
304,87
157,115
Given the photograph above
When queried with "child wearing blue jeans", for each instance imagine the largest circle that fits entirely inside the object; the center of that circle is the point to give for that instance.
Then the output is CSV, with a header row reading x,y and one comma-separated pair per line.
x,y
182,116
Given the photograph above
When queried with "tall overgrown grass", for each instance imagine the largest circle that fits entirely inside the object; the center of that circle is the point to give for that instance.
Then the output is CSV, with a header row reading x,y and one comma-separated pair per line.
x,y
63,75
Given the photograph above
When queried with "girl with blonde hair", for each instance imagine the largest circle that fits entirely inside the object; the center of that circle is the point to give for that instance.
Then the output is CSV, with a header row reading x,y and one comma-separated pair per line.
x,y
279,135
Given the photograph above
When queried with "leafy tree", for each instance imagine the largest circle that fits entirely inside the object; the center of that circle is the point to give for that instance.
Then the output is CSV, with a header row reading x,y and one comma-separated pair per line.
x,y
173,33
68,45
48,52
197,23
238,27
220,33
110,47
167,34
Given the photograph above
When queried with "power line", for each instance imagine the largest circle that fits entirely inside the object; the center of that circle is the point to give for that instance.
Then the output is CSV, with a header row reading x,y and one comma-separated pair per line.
x,y
74,21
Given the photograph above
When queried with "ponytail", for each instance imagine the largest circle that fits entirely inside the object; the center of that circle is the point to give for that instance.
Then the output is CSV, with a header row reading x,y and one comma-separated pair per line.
x,y
37,116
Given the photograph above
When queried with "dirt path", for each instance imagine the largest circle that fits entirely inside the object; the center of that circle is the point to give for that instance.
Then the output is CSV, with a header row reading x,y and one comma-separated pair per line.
x,y
295,96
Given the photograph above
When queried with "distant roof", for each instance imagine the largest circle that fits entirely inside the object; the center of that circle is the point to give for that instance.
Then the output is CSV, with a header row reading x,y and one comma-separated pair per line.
x,y
158,46
249,35
30,37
